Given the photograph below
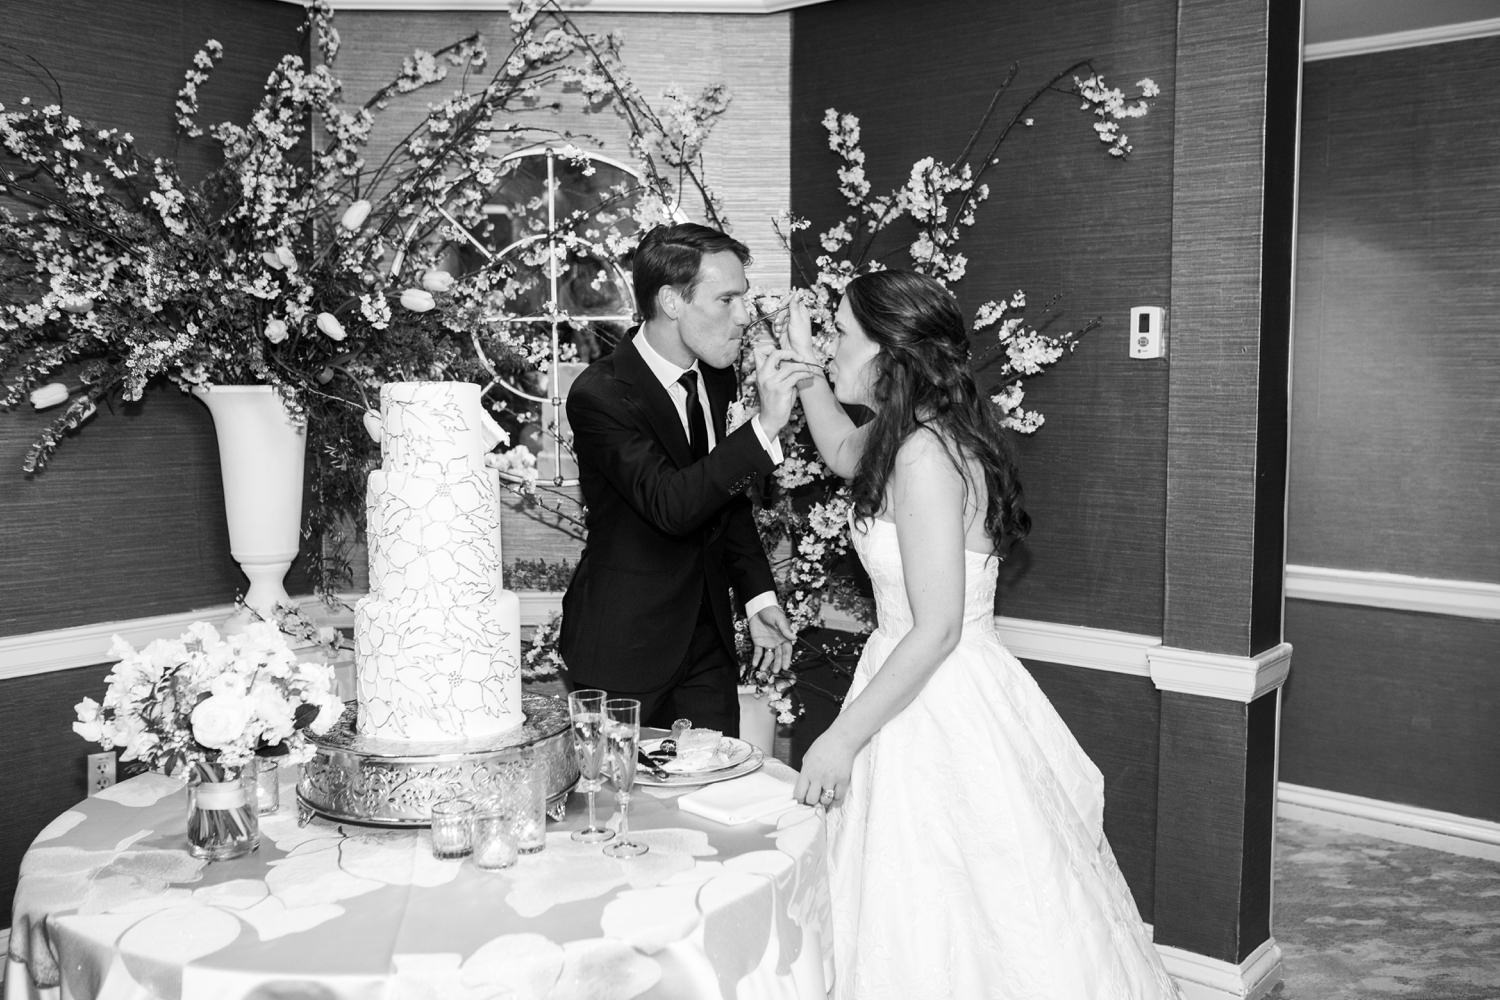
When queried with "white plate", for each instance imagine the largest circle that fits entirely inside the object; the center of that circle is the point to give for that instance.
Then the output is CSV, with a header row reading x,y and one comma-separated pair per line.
x,y
745,766
732,752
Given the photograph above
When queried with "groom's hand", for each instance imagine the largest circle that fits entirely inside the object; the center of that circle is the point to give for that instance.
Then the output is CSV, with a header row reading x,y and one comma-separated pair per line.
x,y
771,634
777,374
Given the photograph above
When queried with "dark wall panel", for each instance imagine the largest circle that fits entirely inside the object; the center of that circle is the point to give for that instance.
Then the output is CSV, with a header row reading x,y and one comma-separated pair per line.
x,y
1395,706
1063,220
1115,718
1237,65
1213,859
1396,388
44,760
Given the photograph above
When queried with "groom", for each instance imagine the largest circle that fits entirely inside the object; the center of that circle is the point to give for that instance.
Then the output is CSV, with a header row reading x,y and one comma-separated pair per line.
x,y
669,528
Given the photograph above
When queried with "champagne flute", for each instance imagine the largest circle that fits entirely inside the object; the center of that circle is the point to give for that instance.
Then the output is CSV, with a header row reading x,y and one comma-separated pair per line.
x,y
622,730
586,711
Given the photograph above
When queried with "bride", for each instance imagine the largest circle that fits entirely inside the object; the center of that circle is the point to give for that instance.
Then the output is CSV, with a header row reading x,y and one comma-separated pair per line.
x,y
965,825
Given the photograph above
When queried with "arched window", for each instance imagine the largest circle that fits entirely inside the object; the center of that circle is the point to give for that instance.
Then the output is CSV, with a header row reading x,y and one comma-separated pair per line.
x,y
569,303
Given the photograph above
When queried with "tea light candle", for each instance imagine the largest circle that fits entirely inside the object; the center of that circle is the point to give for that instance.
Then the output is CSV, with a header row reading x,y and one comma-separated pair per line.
x,y
451,823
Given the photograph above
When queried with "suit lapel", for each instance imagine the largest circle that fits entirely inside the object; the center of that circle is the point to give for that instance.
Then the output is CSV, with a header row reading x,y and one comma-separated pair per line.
x,y
646,393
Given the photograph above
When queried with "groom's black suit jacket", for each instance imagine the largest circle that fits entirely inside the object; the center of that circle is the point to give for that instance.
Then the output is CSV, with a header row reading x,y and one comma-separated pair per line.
x,y
662,530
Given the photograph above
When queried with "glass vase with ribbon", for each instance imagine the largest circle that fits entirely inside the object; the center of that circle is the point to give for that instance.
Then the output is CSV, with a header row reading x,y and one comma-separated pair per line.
x,y
222,818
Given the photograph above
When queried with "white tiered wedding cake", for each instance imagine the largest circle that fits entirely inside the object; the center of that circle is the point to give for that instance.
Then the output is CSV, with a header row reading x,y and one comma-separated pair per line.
x,y
437,640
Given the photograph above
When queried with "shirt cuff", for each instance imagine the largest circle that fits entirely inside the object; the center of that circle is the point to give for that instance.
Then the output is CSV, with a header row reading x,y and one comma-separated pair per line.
x,y
772,445
759,603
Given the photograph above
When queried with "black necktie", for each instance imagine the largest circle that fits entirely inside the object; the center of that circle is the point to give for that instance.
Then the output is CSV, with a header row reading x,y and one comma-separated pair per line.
x,y
697,425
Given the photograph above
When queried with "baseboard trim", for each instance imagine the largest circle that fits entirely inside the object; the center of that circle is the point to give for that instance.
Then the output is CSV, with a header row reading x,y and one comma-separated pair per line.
x,y
1220,675
1401,39
1203,978
1442,831
1458,598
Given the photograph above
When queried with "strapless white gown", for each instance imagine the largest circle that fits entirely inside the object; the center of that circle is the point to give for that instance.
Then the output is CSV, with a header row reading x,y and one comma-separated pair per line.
x,y
968,858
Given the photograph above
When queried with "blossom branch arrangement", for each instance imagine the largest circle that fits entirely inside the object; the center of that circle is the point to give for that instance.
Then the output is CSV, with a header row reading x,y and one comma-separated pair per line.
x,y
805,514
303,265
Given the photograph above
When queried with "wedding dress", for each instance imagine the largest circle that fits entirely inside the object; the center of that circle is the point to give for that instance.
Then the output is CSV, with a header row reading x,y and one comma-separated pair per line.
x,y
968,857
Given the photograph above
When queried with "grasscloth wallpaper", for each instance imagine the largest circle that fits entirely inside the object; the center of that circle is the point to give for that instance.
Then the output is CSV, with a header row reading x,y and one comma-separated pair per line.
x,y
746,157
1064,221
1395,415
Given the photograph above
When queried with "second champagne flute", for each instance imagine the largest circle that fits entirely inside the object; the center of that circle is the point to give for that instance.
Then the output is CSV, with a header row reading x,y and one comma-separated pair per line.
x,y
586,712
622,730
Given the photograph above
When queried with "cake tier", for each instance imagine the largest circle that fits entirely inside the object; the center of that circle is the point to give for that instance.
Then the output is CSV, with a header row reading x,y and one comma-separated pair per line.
x,y
434,536
432,428
425,673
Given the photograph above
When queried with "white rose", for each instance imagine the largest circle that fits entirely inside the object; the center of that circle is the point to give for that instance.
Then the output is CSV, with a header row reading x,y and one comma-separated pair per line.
x,y
275,330
218,721
417,300
355,215
330,708
437,281
89,725
330,326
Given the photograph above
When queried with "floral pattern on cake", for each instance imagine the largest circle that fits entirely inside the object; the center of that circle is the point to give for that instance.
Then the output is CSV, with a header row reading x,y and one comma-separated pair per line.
x,y
437,648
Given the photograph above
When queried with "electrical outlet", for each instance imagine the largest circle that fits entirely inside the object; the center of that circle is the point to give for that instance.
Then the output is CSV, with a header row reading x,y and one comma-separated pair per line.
x,y
101,771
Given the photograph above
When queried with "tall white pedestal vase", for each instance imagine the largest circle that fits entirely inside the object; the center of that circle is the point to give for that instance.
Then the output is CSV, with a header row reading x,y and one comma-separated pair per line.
x,y
261,458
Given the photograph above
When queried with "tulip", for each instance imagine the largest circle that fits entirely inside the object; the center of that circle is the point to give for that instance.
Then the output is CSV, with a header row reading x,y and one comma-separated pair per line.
x,y
330,327
272,260
374,426
417,300
44,396
287,258
355,215
276,330
437,280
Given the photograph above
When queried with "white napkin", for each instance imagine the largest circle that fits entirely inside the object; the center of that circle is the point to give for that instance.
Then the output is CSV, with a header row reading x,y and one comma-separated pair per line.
x,y
756,796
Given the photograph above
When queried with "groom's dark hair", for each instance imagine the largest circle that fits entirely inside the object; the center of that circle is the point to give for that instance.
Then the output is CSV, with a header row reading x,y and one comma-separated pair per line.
x,y
671,255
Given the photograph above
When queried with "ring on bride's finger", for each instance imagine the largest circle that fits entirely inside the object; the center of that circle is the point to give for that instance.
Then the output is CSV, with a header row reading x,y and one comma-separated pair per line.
x,y
827,796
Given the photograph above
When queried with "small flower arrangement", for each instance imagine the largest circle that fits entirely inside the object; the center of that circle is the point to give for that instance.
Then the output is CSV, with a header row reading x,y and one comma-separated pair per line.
x,y
205,699
541,661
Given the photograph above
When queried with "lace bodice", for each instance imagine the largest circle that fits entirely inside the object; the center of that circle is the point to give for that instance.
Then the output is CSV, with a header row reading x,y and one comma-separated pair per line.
x,y
875,541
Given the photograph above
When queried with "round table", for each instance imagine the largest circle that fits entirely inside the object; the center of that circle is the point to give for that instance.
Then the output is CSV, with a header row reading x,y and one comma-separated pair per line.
x,y
111,905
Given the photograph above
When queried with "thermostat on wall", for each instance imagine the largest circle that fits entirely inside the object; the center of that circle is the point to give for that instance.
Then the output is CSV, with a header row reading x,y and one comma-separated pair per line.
x,y
1148,332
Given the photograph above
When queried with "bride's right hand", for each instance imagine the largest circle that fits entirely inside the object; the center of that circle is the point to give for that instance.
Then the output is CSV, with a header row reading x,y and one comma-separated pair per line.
x,y
799,333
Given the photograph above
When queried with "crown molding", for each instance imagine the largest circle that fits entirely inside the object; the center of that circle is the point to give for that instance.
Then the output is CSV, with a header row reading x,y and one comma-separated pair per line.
x,y
1436,35
1457,598
1220,675
585,6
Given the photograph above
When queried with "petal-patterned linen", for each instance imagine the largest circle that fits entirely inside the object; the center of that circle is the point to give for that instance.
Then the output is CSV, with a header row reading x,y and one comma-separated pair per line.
x,y
110,905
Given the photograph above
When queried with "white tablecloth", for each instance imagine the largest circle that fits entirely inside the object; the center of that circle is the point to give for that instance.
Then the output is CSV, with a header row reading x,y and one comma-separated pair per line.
x,y
111,906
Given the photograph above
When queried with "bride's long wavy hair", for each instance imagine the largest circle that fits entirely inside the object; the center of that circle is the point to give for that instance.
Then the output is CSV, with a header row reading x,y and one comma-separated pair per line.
x,y
921,378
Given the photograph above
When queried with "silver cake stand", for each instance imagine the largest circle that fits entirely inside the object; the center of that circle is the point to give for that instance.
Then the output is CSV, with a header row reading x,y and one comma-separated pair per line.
x,y
361,779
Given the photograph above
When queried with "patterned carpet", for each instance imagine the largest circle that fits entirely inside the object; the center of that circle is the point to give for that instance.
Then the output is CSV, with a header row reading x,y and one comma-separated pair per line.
x,y
1360,918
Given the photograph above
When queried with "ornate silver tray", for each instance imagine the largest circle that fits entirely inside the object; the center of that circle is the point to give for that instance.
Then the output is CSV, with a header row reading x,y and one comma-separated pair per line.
x,y
361,779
